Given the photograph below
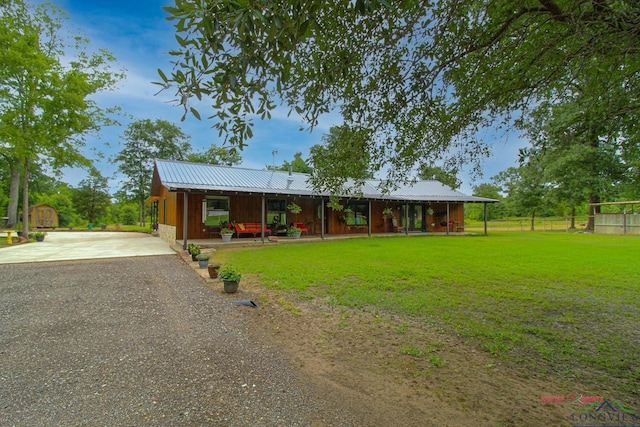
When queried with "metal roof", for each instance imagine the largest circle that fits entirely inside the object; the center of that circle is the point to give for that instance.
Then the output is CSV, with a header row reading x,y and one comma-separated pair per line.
x,y
184,176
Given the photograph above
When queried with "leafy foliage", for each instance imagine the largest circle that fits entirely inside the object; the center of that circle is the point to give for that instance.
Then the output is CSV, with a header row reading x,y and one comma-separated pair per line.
x,y
91,199
216,155
425,79
45,85
298,164
144,141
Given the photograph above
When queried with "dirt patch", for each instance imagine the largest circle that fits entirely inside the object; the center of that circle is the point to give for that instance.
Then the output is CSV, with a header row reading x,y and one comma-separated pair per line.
x,y
399,371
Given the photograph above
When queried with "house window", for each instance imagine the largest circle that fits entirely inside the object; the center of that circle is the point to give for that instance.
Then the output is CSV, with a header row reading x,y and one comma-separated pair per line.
x,y
276,211
215,210
356,213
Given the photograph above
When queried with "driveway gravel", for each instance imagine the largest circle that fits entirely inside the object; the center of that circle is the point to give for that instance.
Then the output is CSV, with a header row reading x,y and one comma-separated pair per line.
x,y
141,342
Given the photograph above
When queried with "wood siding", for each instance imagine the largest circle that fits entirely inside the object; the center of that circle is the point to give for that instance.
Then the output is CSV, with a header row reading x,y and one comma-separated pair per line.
x,y
248,208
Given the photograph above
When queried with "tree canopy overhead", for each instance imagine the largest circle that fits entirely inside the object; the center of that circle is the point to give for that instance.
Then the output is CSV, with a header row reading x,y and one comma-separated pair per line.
x,y
424,77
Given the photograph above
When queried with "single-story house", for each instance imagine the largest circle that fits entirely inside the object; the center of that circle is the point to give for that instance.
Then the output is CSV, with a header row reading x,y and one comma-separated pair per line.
x,y
191,200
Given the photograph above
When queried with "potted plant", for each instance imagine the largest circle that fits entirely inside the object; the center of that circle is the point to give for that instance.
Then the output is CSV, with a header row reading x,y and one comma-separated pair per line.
x,y
227,229
226,234
194,251
213,268
294,208
387,212
203,260
39,235
294,232
230,277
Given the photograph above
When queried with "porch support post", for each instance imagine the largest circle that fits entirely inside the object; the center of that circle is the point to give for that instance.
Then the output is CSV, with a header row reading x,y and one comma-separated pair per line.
x,y
485,217
263,219
406,219
322,218
448,220
185,211
369,220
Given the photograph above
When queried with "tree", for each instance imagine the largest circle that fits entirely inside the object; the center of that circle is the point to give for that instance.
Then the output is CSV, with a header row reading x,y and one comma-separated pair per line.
x,y
45,88
426,78
91,199
216,155
475,211
579,152
144,141
343,153
526,190
298,164
439,174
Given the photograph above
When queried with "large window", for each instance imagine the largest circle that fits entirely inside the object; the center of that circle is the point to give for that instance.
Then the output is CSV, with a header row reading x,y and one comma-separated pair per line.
x,y
215,209
356,213
277,211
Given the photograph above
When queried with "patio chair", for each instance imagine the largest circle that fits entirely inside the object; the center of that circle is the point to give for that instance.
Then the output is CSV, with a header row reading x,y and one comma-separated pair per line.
x,y
301,226
397,228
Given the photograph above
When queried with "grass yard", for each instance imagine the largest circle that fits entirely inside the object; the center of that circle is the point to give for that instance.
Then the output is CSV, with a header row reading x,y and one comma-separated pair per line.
x,y
559,304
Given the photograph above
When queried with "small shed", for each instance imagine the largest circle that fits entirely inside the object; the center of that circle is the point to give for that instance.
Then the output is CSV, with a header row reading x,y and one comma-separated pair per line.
x,y
43,216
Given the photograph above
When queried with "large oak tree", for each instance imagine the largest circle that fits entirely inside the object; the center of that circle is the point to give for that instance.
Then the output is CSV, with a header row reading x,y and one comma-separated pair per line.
x,y
426,78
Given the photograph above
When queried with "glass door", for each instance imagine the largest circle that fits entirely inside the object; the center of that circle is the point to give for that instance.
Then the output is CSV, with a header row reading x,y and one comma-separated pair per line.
x,y
417,218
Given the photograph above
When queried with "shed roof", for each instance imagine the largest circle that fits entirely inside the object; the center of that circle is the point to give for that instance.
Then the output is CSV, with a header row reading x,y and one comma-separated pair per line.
x,y
185,176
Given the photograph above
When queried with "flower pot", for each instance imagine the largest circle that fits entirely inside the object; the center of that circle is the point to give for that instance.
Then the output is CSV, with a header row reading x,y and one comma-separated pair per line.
x,y
213,270
230,287
226,237
40,238
193,257
103,227
202,263
296,235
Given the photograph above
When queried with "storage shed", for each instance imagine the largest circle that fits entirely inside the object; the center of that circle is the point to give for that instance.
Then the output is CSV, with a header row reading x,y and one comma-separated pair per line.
x,y
43,216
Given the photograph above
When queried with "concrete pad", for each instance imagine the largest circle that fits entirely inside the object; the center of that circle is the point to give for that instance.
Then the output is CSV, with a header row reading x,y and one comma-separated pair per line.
x,y
68,245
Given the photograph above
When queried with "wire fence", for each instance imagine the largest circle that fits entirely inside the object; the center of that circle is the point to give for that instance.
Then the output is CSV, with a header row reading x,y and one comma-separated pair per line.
x,y
524,224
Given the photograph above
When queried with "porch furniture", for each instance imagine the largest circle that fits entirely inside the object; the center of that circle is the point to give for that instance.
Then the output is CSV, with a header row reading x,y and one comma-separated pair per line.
x,y
250,228
397,228
301,226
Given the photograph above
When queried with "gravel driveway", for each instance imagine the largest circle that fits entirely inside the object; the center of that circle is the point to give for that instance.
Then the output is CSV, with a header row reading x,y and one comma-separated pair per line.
x,y
140,342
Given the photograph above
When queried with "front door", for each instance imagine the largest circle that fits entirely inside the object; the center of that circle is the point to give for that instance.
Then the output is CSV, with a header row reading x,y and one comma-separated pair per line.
x,y
416,218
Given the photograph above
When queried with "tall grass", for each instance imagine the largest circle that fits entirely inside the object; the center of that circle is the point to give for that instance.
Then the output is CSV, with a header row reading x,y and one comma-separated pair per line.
x,y
558,303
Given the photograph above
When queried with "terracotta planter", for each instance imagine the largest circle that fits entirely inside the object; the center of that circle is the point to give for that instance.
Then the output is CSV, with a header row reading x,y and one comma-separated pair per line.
x,y
213,270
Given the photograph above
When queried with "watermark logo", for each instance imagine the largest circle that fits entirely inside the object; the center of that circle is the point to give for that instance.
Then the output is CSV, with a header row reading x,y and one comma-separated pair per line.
x,y
601,413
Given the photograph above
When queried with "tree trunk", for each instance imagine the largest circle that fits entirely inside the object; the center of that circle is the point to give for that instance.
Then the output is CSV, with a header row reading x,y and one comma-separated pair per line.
x,y
141,213
573,218
533,218
14,192
593,210
25,200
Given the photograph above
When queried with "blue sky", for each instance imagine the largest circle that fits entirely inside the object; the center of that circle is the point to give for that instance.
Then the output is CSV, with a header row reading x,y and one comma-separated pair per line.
x,y
138,34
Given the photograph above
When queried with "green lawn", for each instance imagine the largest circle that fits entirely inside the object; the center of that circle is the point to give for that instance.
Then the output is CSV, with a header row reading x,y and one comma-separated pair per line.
x,y
554,303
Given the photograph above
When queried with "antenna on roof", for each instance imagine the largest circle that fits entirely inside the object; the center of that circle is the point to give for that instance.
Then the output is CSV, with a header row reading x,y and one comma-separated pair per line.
x,y
274,153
